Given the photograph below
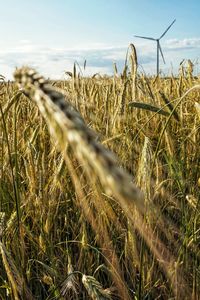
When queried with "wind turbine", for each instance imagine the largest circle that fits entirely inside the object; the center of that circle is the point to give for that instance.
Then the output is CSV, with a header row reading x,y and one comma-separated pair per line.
x,y
159,50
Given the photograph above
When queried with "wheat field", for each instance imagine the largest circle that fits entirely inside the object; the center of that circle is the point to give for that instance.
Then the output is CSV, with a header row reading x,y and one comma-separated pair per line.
x,y
100,185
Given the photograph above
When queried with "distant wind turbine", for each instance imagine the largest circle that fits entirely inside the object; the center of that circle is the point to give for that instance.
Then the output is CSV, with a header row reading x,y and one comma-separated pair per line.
x,y
159,50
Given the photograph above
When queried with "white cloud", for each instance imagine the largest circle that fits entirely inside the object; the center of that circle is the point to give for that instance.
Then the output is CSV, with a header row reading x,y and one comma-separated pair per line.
x,y
53,61
187,43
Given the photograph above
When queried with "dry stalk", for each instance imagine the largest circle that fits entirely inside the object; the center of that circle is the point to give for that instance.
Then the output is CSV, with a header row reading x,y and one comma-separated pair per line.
x,y
134,65
94,288
67,125
2,224
69,129
16,281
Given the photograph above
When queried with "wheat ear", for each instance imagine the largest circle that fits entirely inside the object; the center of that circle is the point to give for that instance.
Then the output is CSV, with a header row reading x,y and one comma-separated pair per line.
x,y
67,126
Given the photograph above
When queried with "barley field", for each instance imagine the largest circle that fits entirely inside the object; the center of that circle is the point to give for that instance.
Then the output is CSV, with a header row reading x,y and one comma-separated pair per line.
x,y
100,185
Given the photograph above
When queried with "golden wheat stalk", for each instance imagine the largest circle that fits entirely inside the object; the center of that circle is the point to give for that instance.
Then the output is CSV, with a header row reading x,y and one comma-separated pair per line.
x,y
11,271
69,129
94,288
197,106
2,223
17,283
70,284
66,125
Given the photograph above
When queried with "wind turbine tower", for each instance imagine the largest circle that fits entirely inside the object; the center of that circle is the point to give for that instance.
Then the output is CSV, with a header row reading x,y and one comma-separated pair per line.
x,y
159,49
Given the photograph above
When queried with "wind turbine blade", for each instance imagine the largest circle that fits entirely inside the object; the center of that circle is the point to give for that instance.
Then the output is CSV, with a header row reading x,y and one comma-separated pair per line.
x,y
167,29
159,47
144,37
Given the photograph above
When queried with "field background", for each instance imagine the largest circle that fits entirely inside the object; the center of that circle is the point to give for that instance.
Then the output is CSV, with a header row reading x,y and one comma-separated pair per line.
x,y
48,232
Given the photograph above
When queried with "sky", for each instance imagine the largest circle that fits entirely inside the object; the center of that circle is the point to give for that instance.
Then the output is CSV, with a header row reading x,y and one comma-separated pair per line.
x,y
50,35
